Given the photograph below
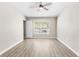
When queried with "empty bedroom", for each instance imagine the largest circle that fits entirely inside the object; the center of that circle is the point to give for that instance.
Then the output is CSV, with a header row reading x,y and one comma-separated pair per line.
x,y
39,29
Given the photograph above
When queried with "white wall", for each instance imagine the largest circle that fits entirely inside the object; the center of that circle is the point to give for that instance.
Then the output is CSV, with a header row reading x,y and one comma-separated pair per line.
x,y
52,29
68,27
11,26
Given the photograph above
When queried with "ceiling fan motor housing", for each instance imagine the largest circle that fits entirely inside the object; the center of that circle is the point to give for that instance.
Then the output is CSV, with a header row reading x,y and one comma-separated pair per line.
x,y
40,5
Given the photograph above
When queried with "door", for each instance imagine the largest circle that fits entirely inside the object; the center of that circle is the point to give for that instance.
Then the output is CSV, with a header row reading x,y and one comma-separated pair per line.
x,y
28,29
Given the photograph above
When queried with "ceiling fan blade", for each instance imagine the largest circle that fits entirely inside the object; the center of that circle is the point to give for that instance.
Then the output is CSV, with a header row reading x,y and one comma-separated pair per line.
x,y
47,4
33,6
40,3
45,8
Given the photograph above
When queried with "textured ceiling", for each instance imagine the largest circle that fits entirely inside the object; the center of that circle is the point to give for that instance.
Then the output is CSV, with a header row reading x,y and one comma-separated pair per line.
x,y
24,8
54,10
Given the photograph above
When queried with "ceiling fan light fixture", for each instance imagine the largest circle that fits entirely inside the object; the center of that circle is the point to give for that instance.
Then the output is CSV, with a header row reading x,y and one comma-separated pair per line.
x,y
43,6
40,8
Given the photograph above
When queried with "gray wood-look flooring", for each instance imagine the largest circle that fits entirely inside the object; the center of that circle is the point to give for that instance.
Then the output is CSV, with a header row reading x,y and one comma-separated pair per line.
x,y
39,48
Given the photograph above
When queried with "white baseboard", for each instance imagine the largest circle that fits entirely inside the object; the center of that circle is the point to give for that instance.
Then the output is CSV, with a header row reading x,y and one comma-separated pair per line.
x,y
69,47
10,47
40,37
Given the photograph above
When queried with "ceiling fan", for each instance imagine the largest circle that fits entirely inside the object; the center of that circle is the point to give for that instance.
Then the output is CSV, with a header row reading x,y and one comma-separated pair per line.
x,y
41,5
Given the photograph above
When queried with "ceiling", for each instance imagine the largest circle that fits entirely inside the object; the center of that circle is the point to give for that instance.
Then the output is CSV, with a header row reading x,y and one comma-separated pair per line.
x,y
24,8
54,9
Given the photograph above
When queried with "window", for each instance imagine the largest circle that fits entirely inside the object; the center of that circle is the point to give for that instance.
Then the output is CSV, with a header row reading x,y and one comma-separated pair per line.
x,y
41,27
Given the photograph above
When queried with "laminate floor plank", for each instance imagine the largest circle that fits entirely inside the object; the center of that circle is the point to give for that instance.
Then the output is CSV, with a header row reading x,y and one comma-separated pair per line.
x,y
39,48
